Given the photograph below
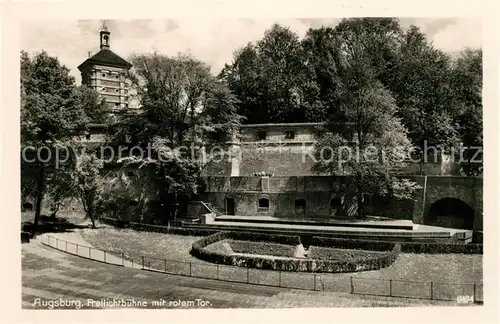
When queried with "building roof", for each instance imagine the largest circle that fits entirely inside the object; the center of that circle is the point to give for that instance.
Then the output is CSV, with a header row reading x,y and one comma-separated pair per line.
x,y
105,57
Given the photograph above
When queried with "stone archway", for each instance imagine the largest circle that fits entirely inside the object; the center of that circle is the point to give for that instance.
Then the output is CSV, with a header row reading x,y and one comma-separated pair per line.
x,y
451,213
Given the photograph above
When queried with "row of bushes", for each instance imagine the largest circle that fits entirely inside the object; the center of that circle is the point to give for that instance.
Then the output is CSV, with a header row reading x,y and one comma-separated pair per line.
x,y
406,247
156,228
263,248
372,262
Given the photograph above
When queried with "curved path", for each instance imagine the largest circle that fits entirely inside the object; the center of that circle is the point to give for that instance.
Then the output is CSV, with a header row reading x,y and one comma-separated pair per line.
x,y
50,274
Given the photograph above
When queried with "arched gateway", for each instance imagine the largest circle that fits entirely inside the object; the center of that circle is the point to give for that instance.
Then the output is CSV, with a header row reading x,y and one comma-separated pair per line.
x,y
452,213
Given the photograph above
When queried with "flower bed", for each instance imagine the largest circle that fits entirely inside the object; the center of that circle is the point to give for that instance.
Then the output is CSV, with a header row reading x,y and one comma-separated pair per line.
x,y
322,253
263,248
372,262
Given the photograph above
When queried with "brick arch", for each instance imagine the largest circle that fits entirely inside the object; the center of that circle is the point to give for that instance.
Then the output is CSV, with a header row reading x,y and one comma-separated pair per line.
x,y
450,212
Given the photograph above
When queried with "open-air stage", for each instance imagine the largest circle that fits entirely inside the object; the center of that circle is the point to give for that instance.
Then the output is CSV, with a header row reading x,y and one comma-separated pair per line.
x,y
377,229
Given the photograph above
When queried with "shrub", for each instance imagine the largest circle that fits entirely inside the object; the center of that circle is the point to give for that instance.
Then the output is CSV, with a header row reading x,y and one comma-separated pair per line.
x,y
442,248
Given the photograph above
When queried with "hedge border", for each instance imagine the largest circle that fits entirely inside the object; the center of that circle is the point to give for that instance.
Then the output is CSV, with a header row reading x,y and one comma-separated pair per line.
x,y
295,265
157,228
406,247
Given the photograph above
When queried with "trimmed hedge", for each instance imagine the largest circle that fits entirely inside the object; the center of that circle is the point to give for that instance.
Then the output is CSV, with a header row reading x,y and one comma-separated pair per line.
x,y
265,248
157,228
406,247
442,248
303,265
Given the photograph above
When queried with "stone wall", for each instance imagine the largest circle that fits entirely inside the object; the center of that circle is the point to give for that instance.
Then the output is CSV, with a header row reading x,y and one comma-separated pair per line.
x,y
334,197
322,197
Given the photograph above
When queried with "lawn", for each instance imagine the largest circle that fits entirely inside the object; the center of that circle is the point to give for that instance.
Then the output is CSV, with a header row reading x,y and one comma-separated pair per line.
x,y
136,244
420,268
322,253
262,248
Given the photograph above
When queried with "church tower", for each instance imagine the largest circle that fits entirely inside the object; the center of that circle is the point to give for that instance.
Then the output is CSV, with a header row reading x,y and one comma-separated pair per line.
x,y
106,72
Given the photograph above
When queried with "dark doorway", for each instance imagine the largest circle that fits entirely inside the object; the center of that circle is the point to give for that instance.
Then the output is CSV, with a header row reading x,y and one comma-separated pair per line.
x,y
336,206
336,203
452,213
229,206
300,207
263,203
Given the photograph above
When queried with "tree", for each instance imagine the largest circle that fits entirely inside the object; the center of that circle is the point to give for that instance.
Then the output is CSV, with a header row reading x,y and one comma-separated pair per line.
x,y
466,83
92,105
267,78
53,112
322,84
244,79
371,144
49,117
186,109
60,187
282,73
87,183
421,87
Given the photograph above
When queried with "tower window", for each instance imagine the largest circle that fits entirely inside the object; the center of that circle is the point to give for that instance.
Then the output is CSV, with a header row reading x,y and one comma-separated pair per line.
x,y
117,76
263,203
261,135
104,75
117,104
290,135
117,90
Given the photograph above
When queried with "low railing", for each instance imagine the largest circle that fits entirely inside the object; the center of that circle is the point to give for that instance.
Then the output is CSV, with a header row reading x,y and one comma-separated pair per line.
x,y
441,291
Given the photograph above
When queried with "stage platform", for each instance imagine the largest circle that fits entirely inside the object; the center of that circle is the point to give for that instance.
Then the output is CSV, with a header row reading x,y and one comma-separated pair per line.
x,y
388,229
381,223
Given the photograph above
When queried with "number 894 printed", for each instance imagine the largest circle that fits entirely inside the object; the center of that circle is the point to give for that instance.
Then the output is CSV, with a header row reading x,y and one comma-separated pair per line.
x,y
465,299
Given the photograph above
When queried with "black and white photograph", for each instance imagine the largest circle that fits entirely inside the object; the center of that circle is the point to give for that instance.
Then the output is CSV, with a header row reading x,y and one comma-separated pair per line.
x,y
246,163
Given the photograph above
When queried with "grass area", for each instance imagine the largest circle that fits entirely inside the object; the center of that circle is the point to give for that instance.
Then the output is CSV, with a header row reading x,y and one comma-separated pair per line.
x,y
262,248
323,253
448,268
136,244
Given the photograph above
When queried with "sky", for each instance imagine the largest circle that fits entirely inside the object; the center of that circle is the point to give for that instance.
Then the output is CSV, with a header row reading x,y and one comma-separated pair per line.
x,y
210,40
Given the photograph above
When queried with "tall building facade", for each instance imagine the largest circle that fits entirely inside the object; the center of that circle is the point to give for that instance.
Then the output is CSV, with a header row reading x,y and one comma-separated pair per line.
x,y
106,72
